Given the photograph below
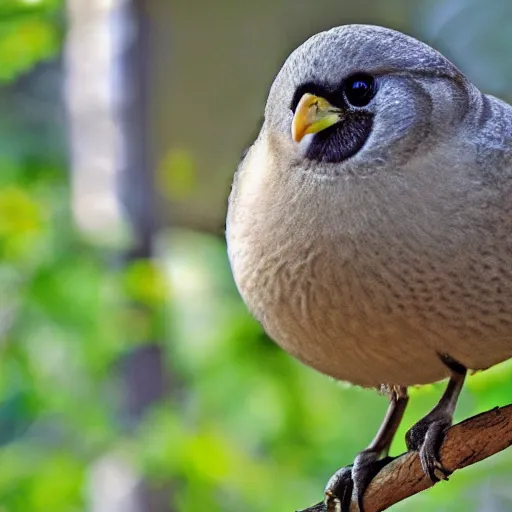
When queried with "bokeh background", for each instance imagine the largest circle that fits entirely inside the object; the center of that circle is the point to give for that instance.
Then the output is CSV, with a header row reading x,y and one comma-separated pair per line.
x,y
132,378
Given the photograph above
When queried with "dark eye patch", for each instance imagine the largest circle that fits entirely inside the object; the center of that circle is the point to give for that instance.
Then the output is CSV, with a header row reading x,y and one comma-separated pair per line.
x,y
343,140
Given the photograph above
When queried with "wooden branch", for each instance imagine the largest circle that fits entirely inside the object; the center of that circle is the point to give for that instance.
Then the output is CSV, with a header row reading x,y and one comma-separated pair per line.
x,y
466,443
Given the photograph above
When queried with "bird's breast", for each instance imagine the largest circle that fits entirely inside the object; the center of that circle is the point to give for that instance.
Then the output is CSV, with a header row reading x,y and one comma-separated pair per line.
x,y
366,289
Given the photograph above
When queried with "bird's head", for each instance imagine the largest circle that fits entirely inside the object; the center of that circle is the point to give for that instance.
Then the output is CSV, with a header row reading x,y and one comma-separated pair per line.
x,y
363,94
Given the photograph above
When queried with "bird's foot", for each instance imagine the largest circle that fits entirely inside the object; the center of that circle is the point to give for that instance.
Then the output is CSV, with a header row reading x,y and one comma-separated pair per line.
x,y
353,478
338,492
426,437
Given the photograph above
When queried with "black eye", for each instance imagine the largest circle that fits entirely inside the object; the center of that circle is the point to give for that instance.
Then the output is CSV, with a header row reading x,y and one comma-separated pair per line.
x,y
359,89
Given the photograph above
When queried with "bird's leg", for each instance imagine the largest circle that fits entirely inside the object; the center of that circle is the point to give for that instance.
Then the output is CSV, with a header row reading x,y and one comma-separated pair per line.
x,y
357,477
426,436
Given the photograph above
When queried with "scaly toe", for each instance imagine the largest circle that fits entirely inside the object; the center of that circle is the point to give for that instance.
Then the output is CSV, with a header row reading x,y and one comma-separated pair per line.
x,y
357,477
366,466
426,438
338,492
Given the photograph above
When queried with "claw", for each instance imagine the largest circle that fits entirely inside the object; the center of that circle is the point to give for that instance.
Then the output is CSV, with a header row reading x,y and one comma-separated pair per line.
x,y
441,473
338,492
434,469
332,503
427,435
357,477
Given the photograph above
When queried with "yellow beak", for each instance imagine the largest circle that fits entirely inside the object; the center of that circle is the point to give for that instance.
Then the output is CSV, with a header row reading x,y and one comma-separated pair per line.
x,y
312,115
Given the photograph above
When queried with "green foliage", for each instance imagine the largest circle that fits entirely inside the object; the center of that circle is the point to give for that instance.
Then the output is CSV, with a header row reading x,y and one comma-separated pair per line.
x,y
29,33
57,339
58,345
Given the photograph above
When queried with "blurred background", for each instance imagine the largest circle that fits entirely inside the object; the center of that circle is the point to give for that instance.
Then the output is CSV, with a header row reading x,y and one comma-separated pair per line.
x,y
132,378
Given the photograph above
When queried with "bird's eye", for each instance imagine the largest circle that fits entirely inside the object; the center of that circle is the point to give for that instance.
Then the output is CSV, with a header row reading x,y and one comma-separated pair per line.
x,y
359,89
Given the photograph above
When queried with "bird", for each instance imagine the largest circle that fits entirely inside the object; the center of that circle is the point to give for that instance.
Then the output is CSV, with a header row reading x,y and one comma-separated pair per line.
x,y
369,228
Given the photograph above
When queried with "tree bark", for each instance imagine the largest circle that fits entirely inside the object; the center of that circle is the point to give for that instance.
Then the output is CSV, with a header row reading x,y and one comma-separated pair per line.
x,y
466,443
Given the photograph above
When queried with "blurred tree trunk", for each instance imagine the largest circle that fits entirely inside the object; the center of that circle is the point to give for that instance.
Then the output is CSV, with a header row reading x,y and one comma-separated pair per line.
x,y
107,92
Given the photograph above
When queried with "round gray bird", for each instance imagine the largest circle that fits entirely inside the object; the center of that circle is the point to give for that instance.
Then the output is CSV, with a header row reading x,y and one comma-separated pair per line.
x,y
369,227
